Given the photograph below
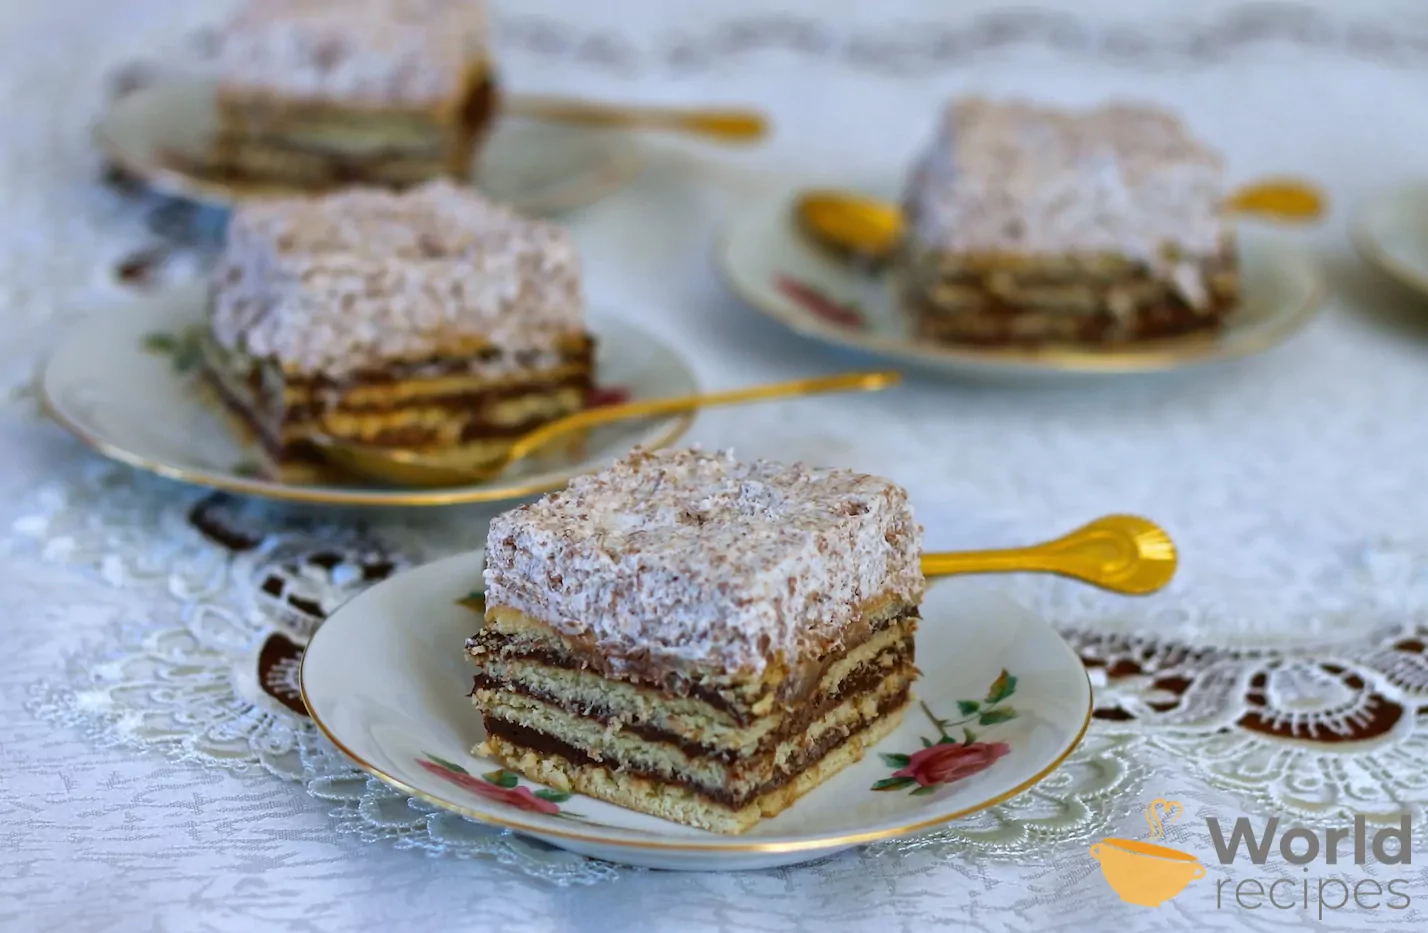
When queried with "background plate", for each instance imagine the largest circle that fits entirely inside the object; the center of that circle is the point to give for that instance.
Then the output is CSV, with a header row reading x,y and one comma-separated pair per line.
x,y
1391,231
536,167
761,253
126,385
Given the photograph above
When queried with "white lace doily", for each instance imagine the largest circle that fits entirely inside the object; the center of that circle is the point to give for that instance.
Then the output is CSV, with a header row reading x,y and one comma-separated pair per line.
x,y
211,678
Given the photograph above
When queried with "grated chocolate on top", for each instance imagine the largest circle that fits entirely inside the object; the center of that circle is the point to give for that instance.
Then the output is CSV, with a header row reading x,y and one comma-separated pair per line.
x,y
1021,179
371,52
365,277
691,558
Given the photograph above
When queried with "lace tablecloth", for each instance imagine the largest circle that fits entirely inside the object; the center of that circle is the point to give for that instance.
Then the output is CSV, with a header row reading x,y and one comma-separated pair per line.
x,y
158,773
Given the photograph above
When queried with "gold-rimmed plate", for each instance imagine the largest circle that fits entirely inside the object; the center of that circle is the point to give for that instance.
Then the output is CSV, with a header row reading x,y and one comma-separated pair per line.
x,y
386,680
128,384
1390,231
160,134
768,263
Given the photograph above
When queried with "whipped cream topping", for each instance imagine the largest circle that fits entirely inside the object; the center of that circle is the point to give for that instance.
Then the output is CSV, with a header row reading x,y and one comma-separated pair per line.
x,y
365,277
375,52
690,558
1026,180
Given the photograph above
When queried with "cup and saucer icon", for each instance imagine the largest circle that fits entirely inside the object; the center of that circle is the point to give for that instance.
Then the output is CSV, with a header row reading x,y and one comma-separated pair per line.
x,y
1146,873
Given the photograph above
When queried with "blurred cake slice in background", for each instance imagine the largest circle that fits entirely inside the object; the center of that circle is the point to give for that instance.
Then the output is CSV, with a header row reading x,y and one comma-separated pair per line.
x,y
1031,225
322,93
432,319
698,638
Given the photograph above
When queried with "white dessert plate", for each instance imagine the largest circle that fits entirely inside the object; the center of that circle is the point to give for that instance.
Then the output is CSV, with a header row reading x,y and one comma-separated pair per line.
x,y
385,678
128,384
1390,230
158,132
768,264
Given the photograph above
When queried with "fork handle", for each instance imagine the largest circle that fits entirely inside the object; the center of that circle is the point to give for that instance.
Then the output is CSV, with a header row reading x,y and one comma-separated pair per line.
x,y
591,417
1121,553
728,125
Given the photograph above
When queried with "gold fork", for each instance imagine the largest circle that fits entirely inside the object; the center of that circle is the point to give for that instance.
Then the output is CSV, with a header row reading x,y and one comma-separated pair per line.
x,y
730,125
1121,553
411,467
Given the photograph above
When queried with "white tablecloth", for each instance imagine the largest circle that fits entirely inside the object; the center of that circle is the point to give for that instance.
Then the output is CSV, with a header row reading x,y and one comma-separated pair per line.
x,y
1282,674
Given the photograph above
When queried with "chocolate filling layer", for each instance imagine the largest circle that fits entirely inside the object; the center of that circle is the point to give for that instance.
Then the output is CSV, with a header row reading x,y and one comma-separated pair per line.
x,y
336,168
865,677
674,687
477,109
249,418
431,149
1124,301
458,401
576,350
999,324
790,692
543,744
928,268
475,428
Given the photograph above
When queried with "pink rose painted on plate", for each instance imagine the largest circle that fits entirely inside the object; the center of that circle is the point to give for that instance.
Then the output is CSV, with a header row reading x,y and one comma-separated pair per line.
x,y
502,787
948,759
820,304
601,396
943,764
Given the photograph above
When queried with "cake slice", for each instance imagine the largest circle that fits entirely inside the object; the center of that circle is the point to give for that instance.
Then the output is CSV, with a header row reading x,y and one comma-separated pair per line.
x,y
323,93
1029,225
698,638
432,319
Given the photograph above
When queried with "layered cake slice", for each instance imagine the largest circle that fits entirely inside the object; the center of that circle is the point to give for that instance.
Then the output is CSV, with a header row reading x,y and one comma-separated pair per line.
x,y
320,93
1029,225
698,638
432,319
